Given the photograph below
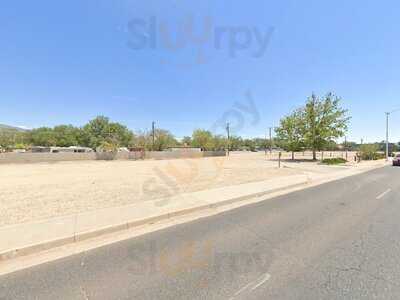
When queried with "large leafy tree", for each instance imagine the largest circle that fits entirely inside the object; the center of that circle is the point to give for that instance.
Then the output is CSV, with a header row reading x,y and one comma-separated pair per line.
x,y
290,132
101,130
67,135
6,139
203,139
163,139
323,121
43,136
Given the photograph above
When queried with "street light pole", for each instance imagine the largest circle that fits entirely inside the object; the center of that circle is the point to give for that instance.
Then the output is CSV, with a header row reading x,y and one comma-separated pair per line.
x,y
153,133
387,131
270,140
228,133
387,135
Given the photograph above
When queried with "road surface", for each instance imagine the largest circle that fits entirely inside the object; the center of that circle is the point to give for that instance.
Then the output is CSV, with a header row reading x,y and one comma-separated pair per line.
x,y
340,240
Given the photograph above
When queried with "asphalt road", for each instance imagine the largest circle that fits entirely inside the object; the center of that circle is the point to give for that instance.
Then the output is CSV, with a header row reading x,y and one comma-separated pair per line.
x,y
335,241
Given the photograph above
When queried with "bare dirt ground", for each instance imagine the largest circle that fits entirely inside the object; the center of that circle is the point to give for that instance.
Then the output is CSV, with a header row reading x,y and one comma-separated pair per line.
x,y
32,192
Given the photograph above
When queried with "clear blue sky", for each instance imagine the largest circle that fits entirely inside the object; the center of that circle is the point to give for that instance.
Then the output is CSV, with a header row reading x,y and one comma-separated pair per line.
x,y
68,61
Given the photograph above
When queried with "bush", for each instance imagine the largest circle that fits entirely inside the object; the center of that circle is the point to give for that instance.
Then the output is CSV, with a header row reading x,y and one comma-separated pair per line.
x,y
370,152
106,151
334,161
106,155
107,147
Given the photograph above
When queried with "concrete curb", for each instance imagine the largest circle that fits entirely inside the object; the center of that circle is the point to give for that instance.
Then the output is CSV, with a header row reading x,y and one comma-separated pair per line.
x,y
82,236
74,237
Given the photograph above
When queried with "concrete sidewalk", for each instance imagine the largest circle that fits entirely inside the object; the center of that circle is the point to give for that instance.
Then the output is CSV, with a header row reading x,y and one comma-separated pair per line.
x,y
28,238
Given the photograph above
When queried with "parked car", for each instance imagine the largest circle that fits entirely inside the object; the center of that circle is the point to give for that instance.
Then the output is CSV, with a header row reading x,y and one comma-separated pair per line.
x,y
396,160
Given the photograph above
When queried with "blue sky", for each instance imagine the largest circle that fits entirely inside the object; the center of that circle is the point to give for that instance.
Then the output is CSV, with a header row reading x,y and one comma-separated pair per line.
x,y
68,61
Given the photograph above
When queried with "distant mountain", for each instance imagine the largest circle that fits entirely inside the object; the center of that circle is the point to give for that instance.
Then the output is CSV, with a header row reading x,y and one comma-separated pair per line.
x,y
11,128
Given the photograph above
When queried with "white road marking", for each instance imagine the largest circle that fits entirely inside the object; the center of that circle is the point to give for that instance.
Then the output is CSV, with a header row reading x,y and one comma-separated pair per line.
x,y
383,194
257,283
242,289
265,278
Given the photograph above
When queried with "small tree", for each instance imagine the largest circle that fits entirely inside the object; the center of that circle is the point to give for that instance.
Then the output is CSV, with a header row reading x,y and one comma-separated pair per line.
x,y
219,142
186,141
324,120
203,139
290,132
370,152
106,151
163,140
235,143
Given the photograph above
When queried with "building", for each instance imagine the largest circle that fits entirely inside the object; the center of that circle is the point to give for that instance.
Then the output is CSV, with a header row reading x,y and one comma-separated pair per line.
x,y
184,149
72,149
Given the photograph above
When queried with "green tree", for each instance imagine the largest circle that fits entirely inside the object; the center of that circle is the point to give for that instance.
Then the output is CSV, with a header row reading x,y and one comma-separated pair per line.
x,y
143,140
67,135
163,140
290,132
249,144
100,130
351,146
331,146
203,139
186,141
235,143
6,140
370,152
121,135
323,121
260,143
219,142
43,136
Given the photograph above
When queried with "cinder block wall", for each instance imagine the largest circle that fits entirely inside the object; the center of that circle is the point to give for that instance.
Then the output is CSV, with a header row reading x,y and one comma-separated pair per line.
x,y
44,157
172,154
13,158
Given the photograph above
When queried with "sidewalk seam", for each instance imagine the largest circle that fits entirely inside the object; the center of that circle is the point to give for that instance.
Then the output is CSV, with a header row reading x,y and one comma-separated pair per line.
x,y
78,237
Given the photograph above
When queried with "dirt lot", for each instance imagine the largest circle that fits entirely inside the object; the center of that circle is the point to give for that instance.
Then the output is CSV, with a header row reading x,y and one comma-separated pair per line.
x,y
43,190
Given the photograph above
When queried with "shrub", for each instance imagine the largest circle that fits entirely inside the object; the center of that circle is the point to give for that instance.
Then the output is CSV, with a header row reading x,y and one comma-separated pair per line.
x,y
370,152
107,151
334,161
107,147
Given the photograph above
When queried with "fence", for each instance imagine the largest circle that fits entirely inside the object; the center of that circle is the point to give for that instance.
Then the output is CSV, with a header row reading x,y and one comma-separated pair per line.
x,y
8,158
44,157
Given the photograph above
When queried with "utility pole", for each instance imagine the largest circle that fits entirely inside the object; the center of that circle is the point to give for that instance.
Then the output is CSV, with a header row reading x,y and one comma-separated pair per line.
x,y
228,135
265,141
153,130
270,140
387,131
387,135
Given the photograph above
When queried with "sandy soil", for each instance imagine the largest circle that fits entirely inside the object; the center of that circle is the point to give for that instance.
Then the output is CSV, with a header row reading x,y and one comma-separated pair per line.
x,y
38,191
